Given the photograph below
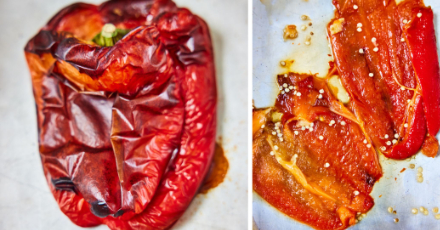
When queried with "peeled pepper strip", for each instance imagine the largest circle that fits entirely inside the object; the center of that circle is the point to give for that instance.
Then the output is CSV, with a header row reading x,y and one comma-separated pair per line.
x,y
126,132
383,74
414,137
318,171
420,36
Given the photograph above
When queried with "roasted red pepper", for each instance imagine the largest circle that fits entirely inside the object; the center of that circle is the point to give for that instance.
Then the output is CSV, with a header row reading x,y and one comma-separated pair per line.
x,y
314,163
389,66
420,35
414,137
315,158
126,131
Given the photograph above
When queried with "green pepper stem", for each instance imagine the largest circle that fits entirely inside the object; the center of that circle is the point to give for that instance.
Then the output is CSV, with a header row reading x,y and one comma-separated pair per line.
x,y
108,30
109,35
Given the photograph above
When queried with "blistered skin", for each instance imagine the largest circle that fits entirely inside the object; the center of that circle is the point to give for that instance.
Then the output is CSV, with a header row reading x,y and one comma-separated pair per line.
x,y
126,133
338,168
396,45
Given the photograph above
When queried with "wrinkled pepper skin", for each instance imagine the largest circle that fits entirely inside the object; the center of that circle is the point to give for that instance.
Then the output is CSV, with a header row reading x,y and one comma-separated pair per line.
x,y
127,132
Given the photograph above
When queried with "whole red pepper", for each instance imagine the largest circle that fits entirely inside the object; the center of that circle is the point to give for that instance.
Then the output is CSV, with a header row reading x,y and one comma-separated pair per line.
x,y
126,132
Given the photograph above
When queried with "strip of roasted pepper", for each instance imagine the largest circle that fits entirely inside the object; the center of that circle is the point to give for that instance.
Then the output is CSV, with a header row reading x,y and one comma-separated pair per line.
x,y
420,36
414,136
381,75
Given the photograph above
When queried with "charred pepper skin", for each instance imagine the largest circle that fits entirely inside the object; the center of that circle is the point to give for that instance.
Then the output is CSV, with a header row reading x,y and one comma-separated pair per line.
x,y
127,132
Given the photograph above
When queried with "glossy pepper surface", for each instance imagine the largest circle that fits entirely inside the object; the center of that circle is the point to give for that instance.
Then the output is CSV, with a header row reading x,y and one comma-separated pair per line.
x,y
127,131
390,69
314,163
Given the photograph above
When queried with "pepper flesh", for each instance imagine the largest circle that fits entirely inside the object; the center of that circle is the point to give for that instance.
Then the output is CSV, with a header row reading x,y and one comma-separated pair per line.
x,y
415,135
127,132
420,35
304,186
383,102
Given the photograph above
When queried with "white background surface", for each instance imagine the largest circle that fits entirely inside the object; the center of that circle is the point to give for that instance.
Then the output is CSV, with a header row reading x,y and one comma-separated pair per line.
x,y
398,190
25,199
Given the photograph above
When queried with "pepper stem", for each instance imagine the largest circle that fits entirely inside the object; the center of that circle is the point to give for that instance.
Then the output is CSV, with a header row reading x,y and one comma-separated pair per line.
x,y
109,35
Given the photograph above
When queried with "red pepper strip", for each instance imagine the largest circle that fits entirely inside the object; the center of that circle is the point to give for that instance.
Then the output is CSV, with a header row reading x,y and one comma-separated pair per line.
x,y
352,165
413,140
420,35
